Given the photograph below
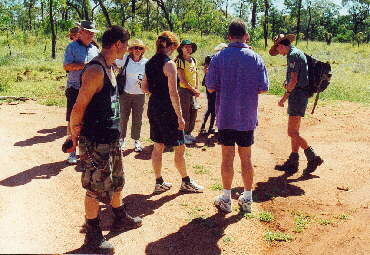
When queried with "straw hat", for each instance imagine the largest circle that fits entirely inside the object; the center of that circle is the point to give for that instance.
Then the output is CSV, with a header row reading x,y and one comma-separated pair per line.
x,y
137,42
273,51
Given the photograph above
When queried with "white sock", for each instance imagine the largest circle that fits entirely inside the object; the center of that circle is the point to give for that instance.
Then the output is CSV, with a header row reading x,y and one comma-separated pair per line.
x,y
247,195
227,194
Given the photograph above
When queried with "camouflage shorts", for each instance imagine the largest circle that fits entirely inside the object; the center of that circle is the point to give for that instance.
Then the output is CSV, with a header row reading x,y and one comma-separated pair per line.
x,y
102,168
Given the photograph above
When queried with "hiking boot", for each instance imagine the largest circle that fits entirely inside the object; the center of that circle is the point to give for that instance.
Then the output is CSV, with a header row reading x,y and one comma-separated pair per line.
x,y
222,205
312,165
95,240
191,186
290,165
164,186
138,147
72,158
245,204
123,221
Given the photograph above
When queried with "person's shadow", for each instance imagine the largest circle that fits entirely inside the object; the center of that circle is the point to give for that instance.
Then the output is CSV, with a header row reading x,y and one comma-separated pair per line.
x,y
199,237
147,207
44,171
279,186
52,135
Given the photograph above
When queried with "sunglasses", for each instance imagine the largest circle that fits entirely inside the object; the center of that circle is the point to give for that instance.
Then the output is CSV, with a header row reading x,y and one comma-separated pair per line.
x,y
137,48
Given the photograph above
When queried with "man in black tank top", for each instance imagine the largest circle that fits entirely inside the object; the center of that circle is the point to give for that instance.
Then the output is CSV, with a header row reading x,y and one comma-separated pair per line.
x,y
164,112
95,124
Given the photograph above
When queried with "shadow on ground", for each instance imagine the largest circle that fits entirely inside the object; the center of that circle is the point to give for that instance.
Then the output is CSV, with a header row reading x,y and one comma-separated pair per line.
x,y
52,135
44,171
198,237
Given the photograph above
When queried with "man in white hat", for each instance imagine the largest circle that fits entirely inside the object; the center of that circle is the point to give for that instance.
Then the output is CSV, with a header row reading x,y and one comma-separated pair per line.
x,y
77,54
297,96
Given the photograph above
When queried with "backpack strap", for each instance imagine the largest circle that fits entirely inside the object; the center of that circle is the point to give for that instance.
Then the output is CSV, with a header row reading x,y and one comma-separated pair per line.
x,y
125,65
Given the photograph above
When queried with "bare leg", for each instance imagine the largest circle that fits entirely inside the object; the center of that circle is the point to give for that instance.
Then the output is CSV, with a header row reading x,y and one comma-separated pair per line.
x,y
157,158
227,166
116,199
246,165
91,207
180,160
293,132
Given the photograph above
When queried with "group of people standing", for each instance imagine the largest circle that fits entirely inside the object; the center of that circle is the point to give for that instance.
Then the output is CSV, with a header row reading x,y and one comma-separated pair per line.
x,y
235,76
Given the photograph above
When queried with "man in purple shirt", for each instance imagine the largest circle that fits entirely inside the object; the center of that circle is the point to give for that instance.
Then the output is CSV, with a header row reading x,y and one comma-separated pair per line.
x,y
238,75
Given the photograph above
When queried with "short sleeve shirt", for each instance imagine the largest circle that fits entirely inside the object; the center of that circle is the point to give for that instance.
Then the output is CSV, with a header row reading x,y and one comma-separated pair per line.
x,y
190,70
297,63
76,53
134,74
237,74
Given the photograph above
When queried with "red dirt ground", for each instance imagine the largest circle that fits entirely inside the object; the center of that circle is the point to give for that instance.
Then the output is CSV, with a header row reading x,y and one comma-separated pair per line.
x,y
41,200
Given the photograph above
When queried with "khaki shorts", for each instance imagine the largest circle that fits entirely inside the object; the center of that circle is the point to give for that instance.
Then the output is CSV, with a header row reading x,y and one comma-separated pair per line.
x,y
102,169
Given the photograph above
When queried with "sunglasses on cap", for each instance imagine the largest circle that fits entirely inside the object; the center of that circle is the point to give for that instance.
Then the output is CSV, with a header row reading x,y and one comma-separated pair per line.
x,y
137,48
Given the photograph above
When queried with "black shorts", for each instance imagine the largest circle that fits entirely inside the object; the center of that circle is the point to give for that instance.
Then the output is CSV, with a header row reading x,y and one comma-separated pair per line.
x,y
71,95
297,102
230,137
163,128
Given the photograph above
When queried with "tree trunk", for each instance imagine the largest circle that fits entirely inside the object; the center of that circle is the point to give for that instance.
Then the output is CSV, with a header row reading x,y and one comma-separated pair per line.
x,y
226,7
133,11
166,14
298,20
30,14
86,9
105,12
42,10
254,14
265,23
80,15
308,31
147,15
53,34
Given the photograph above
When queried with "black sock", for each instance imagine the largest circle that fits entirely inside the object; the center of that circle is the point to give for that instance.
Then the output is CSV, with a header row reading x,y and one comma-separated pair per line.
x,y
117,211
294,156
93,222
159,180
186,179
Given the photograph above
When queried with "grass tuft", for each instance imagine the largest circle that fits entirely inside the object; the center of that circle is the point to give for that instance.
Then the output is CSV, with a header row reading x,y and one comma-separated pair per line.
x,y
277,236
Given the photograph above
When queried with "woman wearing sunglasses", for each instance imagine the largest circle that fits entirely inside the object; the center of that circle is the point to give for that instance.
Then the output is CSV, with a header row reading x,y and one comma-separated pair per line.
x,y
132,98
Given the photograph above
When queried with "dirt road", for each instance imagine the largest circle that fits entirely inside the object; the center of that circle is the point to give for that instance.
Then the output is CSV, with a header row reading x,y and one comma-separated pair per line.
x,y
41,200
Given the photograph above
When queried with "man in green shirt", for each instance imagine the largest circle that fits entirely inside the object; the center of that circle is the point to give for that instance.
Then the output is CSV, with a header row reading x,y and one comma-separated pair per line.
x,y
297,96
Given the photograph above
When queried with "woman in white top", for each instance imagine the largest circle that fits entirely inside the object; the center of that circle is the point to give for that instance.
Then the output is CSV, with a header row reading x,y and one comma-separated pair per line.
x,y
133,98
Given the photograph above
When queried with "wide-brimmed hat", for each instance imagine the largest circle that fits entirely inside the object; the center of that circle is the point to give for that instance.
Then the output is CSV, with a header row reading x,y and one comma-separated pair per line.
x,y
137,42
187,42
273,51
87,25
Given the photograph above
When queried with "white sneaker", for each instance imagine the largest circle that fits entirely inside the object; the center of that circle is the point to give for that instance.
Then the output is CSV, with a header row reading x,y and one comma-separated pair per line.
x,y
159,188
245,204
192,186
222,204
138,147
72,158
122,143
187,140
191,138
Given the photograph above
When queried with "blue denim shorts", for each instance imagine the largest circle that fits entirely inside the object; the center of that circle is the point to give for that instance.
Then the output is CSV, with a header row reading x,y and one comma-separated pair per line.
x,y
297,102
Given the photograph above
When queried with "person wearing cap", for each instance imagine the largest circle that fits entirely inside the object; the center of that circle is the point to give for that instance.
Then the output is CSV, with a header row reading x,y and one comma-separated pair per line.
x,y
164,113
77,54
297,96
188,86
238,75
95,121
132,97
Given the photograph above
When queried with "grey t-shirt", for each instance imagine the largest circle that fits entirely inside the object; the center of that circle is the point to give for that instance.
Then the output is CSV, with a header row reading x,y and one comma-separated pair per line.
x,y
297,63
